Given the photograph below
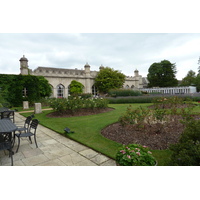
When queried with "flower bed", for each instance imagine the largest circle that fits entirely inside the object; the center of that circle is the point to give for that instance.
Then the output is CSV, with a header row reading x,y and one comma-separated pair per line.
x,y
76,104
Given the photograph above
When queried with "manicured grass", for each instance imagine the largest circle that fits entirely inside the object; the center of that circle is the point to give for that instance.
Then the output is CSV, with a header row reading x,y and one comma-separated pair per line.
x,y
87,130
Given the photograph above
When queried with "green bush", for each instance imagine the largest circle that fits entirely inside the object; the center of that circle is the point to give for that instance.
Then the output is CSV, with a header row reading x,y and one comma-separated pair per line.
x,y
187,151
63,105
135,155
124,92
130,100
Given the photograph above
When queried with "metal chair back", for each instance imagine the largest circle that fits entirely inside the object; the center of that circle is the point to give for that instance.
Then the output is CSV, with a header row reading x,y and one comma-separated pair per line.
x,y
33,126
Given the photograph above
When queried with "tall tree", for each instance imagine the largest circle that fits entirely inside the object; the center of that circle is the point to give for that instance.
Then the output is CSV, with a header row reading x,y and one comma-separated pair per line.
x,y
162,74
189,79
109,78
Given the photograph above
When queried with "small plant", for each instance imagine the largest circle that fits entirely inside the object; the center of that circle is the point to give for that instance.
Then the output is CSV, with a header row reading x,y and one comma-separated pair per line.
x,y
135,155
134,116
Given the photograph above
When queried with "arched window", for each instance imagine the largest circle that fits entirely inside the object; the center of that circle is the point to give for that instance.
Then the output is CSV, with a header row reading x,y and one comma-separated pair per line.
x,y
132,86
127,87
60,91
94,90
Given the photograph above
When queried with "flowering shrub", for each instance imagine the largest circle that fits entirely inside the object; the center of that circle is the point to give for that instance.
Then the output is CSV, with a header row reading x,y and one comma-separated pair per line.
x,y
76,103
134,116
135,155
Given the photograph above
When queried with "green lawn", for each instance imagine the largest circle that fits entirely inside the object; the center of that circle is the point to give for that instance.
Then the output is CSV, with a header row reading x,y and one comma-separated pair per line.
x,y
87,130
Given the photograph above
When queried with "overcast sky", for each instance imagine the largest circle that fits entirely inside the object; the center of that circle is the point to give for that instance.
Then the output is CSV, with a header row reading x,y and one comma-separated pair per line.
x,y
121,51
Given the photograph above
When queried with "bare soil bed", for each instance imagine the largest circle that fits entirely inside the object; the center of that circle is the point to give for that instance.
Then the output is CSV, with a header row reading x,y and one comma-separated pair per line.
x,y
155,136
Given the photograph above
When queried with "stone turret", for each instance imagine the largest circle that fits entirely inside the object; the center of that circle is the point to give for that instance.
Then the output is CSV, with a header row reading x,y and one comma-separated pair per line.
x,y
24,66
101,67
136,72
87,69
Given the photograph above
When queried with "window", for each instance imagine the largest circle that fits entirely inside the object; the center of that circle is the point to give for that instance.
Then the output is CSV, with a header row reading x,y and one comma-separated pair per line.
x,y
94,90
24,92
60,91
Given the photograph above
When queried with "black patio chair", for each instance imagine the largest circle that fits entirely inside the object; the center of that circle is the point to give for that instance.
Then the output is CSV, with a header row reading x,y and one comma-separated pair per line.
x,y
6,144
23,128
12,115
6,114
31,132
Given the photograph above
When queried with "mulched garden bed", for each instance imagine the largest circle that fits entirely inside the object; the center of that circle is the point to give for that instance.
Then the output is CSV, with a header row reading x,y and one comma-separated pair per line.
x,y
156,136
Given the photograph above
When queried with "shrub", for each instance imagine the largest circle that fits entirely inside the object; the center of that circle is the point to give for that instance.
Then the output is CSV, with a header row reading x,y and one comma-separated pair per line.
x,y
186,152
134,116
130,100
63,105
135,155
124,92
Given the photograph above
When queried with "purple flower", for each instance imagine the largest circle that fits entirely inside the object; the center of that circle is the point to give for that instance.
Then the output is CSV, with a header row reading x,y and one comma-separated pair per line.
x,y
129,156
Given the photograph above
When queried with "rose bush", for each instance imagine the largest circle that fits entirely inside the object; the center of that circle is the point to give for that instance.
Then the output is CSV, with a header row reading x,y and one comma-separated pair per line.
x,y
135,155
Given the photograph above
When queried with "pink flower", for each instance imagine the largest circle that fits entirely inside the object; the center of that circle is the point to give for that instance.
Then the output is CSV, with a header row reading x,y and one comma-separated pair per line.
x,y
129,156
138,153
137,149
145,146
122,151
149,152
132,151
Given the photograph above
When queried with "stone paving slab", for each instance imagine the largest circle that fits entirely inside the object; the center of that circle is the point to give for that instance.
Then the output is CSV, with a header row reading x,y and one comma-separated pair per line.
x,y
53,150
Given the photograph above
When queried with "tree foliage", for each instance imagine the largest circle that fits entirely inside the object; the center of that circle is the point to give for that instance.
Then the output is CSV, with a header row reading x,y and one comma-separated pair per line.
x,y
162,74
76,87
197,82
109,78
189,79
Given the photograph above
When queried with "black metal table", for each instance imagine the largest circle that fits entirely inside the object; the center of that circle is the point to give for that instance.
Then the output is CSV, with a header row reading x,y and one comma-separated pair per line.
x,y
6,138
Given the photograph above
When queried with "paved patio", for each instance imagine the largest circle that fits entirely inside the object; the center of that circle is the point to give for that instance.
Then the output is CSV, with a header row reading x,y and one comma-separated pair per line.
x,y
53,150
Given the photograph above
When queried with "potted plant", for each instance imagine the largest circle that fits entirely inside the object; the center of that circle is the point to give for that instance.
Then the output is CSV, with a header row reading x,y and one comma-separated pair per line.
x,y
135,155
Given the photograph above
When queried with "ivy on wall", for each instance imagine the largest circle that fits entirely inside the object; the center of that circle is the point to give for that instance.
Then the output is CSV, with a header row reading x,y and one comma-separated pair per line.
x,y
34,87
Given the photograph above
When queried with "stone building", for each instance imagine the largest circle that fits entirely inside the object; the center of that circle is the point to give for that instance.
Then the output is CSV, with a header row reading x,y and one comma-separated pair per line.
x,y
60,78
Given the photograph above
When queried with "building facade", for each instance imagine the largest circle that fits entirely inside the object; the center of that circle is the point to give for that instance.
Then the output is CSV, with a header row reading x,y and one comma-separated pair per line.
x,y
60,78
171,90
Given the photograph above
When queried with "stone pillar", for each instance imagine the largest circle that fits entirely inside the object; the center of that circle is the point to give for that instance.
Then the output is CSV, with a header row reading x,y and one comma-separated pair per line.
x,y
25,105
87,78
38,108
